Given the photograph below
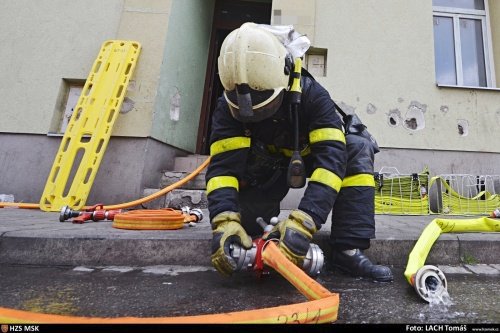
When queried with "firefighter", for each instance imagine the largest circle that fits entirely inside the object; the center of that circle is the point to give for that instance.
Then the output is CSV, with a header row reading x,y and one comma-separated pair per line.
x,y
251,143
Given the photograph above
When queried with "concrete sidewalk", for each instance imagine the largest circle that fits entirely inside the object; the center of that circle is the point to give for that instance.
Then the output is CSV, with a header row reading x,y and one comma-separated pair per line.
x,y
38,238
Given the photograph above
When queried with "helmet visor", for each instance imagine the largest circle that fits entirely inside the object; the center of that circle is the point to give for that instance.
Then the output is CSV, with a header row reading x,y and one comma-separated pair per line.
x,y
257,106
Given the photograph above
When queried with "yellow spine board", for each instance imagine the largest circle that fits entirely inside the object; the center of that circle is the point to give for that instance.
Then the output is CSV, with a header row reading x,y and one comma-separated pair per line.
x,y
90,126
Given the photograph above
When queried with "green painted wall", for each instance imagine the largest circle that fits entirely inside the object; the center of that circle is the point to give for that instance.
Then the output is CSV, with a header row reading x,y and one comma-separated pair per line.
x,y
182,75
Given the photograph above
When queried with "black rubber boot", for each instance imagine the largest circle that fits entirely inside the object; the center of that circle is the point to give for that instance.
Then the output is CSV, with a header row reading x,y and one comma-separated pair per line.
x,y
359,265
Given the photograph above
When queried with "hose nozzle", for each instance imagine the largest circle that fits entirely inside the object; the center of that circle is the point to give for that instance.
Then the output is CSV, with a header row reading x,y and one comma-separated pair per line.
x,y
67,213
430,283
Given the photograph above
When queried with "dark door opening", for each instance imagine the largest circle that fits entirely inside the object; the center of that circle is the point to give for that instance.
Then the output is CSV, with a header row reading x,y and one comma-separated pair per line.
x,y
228,15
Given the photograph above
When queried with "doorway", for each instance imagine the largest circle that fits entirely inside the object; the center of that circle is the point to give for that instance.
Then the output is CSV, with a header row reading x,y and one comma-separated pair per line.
x,y
228,15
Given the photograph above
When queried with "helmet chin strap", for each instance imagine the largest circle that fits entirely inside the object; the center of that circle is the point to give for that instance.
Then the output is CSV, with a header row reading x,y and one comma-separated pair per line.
x,y
244,100
296,175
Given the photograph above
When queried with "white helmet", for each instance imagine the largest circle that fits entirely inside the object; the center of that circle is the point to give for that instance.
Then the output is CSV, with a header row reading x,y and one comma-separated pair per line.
x,y
254,69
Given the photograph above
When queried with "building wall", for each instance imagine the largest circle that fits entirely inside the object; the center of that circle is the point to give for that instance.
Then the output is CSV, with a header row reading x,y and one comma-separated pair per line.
x,y
43,42
146,21
182,75
381,66
50,42
129,166
495,31
299,13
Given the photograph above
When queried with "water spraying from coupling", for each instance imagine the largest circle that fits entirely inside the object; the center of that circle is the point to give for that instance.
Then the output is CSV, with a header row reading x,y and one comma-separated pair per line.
x,y
430,283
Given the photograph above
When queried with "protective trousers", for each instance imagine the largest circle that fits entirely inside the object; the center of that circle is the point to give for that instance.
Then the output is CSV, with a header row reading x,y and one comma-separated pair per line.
x,y
353,222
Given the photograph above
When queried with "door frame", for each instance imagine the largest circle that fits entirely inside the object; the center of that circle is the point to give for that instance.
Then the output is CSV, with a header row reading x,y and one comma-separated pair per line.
x,y
221,27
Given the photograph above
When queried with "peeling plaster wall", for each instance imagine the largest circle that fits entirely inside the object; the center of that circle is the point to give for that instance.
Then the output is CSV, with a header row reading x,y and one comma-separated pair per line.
x,y
381,66
182,75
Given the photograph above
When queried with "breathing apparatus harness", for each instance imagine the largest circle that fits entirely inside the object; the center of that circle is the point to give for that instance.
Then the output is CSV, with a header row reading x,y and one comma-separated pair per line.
x,y
296,171
296,175
353,125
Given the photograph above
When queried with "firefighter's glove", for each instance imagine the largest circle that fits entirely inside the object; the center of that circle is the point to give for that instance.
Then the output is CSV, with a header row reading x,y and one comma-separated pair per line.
x,y
295,235
227,230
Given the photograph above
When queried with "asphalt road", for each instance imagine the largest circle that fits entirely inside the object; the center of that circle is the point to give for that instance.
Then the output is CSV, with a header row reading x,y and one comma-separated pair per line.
x,y
190,290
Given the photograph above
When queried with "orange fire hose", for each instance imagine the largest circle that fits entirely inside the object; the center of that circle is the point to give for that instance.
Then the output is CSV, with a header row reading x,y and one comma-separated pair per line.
x,y
322,306
126,204
151,219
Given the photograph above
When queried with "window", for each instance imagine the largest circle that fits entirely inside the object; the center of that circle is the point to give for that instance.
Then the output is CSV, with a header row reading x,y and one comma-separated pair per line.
x,y
74,92
462,43
315,61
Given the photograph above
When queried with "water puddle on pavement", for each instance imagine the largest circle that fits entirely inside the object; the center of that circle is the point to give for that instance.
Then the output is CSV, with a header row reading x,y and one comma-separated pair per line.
x,y
51,301
438,308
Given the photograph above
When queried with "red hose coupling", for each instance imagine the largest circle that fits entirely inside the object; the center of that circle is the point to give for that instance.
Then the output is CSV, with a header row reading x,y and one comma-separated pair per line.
x,y
99,215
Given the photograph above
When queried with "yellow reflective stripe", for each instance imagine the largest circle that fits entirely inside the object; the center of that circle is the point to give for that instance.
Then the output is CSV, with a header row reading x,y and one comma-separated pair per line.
x,y
326,134
359,180
289,152
228,144
220,182
326,177
272,149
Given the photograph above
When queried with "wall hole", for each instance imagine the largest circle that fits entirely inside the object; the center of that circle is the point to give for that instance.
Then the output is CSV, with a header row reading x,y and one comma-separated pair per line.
x,y
394,118
463,127
415,119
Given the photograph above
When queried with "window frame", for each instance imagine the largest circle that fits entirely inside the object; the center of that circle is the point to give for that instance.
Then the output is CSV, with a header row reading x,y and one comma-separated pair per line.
x,y
456,13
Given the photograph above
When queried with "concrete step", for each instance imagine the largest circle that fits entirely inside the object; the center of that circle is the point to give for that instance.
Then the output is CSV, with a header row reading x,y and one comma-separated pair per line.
x,y
171,177
188,163
183,166
177,199
191,194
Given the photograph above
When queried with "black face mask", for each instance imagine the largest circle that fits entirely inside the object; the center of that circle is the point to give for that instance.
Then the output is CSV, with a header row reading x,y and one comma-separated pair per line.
x,y
244,103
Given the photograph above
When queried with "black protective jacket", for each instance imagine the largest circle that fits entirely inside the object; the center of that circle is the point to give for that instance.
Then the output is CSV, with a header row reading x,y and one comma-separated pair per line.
x,y
271,142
